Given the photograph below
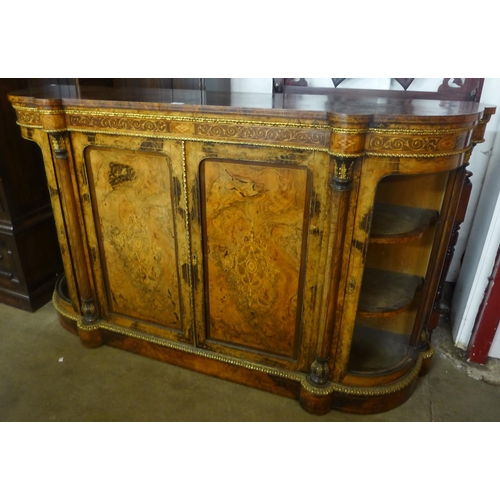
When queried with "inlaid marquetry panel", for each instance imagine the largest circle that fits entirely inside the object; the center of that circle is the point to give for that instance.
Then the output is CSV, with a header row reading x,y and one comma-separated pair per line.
x,y
424,144
264,133
123,122
254,234
132,197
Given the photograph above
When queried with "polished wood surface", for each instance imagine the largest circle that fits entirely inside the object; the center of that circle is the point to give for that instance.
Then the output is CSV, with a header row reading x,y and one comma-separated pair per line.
x,y
255,241
292,245
343,103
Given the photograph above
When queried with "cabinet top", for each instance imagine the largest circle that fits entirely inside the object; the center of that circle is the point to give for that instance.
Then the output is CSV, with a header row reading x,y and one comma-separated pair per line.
x,y
342,126
365,108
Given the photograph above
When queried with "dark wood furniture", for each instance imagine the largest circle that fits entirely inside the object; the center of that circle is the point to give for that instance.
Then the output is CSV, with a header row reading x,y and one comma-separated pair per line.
x,y
293,246
30,259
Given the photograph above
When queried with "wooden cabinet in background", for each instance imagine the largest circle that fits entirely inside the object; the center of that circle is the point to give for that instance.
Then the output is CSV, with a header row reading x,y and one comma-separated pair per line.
x,y
295,247
29,252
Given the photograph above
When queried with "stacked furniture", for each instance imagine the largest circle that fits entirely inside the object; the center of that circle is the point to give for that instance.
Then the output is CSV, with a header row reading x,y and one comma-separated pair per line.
x,y
30,259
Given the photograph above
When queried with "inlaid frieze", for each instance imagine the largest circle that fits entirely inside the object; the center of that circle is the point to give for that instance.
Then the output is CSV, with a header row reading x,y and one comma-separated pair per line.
x,y
395,144
120,123
27,116
316,137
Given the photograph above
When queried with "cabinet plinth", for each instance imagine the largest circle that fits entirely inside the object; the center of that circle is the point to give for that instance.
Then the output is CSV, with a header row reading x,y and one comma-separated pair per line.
x,y
293,250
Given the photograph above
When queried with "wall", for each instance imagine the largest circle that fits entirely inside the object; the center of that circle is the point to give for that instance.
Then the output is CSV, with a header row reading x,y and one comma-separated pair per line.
x,y
261,85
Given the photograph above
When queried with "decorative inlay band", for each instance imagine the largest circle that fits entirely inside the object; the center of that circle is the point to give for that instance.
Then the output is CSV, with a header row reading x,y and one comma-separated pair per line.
x,y
174,118
193,119
29,116
256,144
262,133
120,123
418,144
415,155
188,232
308,137
418,131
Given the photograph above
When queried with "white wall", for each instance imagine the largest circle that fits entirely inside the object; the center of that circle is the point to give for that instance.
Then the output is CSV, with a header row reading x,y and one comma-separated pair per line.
x,y
484,236
259,85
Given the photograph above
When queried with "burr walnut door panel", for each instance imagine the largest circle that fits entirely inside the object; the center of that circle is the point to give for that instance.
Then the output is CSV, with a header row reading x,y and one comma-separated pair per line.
x,y
137,219
254,234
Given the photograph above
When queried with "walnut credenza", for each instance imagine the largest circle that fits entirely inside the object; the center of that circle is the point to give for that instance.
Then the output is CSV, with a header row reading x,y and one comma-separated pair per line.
x,y
294,246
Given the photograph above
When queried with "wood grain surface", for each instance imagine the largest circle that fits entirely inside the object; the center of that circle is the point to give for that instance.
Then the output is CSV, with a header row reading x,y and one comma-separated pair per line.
x,y
254,220
137,239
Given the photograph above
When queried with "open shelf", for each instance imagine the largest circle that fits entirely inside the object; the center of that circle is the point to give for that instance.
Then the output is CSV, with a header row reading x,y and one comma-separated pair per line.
x,y
399,224
385,293
373,349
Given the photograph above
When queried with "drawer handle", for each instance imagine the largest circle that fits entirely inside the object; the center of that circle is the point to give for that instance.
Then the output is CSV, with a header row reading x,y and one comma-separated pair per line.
x,y
6,274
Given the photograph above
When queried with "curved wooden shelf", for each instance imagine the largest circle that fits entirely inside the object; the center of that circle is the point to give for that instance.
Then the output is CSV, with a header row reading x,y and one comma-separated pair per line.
x,y
399,224
374,350
385,293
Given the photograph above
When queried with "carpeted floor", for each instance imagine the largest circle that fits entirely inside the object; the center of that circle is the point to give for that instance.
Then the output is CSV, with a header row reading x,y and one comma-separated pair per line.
x,y
47,375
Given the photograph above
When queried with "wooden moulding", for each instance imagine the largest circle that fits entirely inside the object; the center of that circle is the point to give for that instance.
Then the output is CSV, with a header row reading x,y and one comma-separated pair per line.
x,y
398,224
385,293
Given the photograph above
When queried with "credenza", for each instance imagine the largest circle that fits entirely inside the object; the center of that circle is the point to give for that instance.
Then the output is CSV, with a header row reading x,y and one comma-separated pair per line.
x,y
294,244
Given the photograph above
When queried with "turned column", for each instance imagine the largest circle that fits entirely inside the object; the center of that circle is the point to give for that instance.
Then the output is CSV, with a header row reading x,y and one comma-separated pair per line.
x,y
53,122
346,150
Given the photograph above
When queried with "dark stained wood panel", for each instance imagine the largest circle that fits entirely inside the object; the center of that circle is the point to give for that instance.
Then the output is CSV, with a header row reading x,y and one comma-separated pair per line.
x,y
137,239
30,260
254,219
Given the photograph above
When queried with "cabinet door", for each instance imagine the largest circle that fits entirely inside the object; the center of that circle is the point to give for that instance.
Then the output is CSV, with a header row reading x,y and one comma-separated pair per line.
x,y
401,232
134,218
253,244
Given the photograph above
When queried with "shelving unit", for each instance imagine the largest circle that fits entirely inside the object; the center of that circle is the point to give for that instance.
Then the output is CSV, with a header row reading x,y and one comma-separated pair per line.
x,y
385,293
400,244
399,224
